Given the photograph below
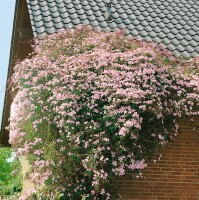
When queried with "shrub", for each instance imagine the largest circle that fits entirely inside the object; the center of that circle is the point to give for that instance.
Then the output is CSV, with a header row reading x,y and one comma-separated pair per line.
x,y
10,176
94,106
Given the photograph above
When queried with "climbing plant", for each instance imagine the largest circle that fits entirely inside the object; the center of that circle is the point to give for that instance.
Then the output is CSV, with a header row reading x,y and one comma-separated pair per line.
x,y
93,106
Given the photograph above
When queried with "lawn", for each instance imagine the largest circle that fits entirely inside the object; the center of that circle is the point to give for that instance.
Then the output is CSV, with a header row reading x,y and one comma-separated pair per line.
x,y
10,176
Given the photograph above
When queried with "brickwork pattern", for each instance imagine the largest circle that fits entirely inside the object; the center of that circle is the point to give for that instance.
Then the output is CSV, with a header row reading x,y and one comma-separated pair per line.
x,y
175,176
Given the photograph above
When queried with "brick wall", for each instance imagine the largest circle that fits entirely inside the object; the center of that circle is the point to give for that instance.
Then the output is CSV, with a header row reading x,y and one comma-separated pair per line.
x,y
175,176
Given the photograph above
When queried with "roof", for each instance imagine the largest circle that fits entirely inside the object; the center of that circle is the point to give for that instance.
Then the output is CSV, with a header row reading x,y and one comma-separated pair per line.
x,y
174,23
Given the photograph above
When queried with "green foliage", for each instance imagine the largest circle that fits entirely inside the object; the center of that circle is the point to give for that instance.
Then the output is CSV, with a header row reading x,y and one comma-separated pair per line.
x,y
10,176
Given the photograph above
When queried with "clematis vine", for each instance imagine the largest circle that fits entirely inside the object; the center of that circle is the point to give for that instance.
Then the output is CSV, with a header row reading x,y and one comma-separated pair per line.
x,y
93,106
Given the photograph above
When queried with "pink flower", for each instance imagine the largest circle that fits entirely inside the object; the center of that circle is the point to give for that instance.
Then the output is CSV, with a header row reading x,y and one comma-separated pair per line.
x,y
38,152
123,131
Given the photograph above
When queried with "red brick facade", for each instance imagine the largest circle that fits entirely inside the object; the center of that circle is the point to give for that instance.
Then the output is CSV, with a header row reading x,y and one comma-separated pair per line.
x,y
175,176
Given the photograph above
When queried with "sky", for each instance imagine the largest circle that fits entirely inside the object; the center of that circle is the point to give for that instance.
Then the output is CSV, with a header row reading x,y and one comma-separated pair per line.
x,y
6,24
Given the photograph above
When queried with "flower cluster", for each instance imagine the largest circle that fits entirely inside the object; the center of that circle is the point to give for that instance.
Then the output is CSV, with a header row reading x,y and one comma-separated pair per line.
x,y
93,106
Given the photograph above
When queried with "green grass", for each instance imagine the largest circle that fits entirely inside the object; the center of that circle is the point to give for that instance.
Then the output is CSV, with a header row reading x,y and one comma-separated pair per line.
x,y
10,175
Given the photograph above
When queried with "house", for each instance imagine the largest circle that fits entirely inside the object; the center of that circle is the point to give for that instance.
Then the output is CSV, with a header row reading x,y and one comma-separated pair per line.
x,y
172,23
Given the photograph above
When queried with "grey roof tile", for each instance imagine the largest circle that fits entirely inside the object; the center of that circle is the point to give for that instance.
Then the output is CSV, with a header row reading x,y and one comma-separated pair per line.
x,y
86,22
192,32
121,26
143,33
112,25
196,15
39,24
127,21
179,36
190,49
170,36
136,22
157,40
179,27
157,29
40,30
132,17
174,31
193,43
134,32
92,18
152,34
183,32
175,42
59,25
80,11
185,53
149,18
175,23
188,38
166,41
101,19
69,26
76,21
129,11
145,23
153,24
147,38
71,10
196,50
184,43
49,24
66,20
124,16
148,28
139,27
180,48
186,27
63,11
162,35
170,26
196,38
38,18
